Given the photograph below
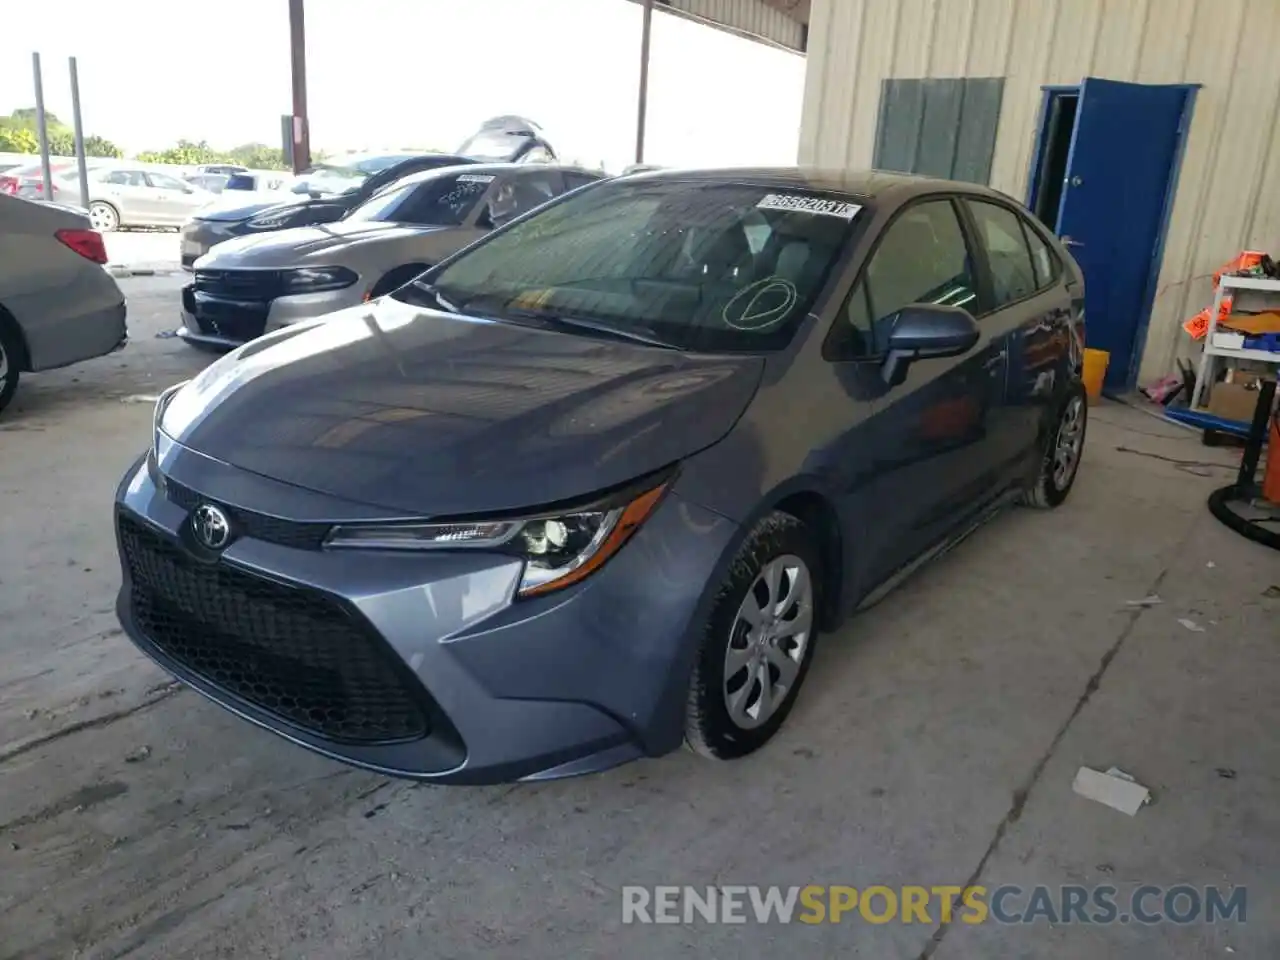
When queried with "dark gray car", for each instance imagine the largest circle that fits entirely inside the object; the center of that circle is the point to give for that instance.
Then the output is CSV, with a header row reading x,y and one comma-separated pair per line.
x,y
593,485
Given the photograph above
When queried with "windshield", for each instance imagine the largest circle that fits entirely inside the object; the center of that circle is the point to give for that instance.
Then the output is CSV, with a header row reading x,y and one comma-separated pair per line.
x,y
716,267
323,178
437,201
378,164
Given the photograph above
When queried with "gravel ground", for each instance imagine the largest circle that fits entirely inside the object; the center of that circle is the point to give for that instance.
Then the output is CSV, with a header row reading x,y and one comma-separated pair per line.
x,y
935,743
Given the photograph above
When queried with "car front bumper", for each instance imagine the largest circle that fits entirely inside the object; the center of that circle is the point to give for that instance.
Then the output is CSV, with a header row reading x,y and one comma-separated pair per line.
x,y
413,664
227,323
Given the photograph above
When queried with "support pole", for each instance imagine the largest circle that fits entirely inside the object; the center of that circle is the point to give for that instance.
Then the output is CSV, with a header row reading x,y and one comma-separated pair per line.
x,y
42,130
298,63
79,131
643,106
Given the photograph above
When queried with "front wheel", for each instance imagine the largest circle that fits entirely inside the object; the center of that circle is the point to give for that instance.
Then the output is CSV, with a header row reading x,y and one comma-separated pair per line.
x,y
8,365
758,643
1061,460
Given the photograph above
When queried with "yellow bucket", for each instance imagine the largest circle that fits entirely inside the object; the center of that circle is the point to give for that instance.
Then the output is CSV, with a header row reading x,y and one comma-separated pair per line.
x,y
1095,371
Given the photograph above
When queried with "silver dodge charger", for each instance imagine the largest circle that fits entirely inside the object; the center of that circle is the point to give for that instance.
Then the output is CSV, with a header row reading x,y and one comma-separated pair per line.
x,y
248,286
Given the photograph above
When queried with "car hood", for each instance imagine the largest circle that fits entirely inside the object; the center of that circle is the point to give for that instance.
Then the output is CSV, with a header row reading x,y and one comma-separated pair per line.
x,y
429,414
301,245
229,207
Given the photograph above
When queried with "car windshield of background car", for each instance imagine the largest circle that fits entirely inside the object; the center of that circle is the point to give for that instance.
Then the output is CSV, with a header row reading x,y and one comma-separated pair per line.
x,y
698,266
438,201
331,180
372,165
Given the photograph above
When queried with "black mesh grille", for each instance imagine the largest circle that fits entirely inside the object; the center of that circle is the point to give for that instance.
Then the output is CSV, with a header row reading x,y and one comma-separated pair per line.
x,y
259,526
287,650
240,284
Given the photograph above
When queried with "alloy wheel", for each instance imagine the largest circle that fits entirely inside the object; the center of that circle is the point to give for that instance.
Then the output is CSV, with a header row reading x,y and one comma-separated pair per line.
x,y
4,367
768,641
102,218
1070,440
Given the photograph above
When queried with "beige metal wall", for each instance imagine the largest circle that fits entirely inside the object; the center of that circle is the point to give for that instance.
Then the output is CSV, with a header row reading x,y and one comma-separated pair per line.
x,y
1229,190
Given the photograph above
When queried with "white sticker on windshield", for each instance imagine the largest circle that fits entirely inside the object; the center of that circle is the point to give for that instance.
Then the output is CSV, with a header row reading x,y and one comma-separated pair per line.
x,y
476,178
796,201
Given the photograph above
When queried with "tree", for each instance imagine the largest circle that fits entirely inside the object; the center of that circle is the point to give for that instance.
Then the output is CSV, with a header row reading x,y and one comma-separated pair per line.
x,y
185,153
18,140
19,134
96,146
258,156
62,143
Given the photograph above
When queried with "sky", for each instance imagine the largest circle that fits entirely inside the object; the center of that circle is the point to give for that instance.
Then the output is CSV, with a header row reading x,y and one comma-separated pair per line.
x,y
423,73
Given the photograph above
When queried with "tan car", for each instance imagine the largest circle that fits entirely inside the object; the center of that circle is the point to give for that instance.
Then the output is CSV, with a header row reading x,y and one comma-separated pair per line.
x,y
58,306
126,195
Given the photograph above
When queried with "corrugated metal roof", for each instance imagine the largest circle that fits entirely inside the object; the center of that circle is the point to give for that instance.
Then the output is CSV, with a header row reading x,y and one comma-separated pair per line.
x,y
1226,197
782,23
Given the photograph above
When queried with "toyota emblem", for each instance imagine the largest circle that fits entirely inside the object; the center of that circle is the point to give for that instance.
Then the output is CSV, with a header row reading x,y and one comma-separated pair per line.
x,y
211,527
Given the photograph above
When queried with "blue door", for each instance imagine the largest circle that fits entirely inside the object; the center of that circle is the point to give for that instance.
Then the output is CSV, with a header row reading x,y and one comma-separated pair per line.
x,y
1124,152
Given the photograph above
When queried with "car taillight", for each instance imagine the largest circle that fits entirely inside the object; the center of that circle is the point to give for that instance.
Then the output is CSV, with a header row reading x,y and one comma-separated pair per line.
x,y
9,185
87,243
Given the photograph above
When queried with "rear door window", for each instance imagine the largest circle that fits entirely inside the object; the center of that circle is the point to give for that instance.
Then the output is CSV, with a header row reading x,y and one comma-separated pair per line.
x,y
1046,263
1013,275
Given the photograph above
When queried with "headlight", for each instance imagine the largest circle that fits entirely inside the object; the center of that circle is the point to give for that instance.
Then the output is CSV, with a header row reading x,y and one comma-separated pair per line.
x,y
558,549
315,279
157,417
271,221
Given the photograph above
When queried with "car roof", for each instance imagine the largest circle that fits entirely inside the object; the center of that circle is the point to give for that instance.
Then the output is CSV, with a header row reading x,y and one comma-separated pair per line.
x,y
860,184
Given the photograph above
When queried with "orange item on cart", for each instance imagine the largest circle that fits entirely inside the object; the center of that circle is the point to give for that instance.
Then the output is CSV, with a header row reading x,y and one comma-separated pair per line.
x,y
1198,325
1245,260
1271,475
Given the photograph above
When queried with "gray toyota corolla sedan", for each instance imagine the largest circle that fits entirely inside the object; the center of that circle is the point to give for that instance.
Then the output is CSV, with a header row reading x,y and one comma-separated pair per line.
x,y
592,487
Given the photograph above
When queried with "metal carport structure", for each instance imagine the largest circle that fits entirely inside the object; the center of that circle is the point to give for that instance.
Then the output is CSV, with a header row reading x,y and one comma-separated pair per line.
x,y
780,23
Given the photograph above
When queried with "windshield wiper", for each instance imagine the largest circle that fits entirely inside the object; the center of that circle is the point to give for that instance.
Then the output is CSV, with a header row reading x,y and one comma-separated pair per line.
x,y
433,292
576,323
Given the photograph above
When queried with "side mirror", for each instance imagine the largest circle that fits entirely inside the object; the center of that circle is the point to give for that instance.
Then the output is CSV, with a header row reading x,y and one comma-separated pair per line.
x,y
925,331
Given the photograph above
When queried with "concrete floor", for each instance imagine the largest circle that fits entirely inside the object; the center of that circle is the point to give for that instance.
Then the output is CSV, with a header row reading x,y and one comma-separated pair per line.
x,y
935,743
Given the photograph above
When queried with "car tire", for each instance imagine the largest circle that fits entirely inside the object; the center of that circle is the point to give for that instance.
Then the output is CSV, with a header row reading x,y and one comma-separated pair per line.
x,y
103,217
1064,446
727,683
394,279
10,351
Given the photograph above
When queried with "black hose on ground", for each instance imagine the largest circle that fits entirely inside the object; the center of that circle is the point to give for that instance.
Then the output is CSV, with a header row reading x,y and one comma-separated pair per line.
x,y
1220,507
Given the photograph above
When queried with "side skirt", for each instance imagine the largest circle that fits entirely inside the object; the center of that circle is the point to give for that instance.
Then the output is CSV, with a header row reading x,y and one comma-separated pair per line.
x,y
940,549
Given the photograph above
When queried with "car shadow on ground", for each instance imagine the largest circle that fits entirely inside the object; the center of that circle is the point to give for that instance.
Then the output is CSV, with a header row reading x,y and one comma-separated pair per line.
x,y
43,398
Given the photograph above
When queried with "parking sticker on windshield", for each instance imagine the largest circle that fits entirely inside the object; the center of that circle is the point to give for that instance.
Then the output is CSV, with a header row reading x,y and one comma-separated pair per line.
x,y
476,178
804,204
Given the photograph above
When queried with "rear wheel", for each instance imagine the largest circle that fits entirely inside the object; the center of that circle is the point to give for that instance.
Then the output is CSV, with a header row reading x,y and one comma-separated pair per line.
x,y
1061,461
9,354
758,643
103,217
